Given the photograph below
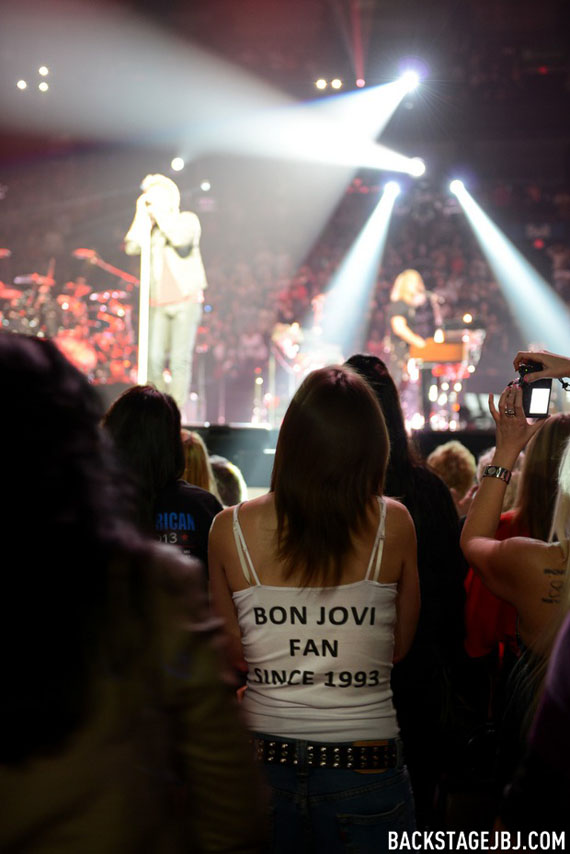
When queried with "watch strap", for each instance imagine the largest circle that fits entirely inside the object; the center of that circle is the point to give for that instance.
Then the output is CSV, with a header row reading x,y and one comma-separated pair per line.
x,y
498,472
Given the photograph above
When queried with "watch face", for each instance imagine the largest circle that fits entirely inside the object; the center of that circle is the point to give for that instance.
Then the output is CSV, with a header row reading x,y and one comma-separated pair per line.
x,y
492,470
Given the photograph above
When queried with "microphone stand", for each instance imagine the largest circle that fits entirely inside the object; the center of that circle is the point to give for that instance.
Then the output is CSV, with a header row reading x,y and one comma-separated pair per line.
x,y
144,306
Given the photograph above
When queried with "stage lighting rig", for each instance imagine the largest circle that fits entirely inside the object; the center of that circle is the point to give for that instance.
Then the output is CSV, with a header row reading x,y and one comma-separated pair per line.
x,y
411,80
392,188
417,167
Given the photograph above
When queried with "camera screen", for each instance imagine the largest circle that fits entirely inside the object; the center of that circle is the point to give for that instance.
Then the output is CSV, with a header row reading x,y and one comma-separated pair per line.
x,y
539,400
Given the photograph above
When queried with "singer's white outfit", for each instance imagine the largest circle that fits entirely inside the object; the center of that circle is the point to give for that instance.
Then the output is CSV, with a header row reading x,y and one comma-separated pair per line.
x,y
177,283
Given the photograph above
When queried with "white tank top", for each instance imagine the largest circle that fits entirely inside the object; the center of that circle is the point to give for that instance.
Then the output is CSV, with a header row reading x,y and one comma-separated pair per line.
x,y
319,658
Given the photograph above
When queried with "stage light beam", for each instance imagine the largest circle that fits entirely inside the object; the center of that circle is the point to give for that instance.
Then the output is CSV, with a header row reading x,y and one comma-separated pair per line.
x,y
543,317
351,287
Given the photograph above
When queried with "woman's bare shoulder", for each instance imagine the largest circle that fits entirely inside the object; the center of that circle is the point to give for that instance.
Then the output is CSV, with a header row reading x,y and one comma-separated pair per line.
x,y
397,515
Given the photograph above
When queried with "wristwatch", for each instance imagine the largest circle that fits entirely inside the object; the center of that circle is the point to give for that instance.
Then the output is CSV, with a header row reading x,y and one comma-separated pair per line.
x,y
497,471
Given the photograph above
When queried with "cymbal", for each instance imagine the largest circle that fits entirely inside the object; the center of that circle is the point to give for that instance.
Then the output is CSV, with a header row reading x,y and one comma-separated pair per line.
x,y
34,279
10,293
105,296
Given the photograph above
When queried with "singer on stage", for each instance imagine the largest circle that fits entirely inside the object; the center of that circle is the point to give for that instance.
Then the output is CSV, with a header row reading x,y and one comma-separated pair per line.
x,y
177,281
413,315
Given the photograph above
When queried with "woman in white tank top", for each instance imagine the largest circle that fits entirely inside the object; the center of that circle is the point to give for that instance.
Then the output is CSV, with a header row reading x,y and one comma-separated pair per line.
x,y
317,583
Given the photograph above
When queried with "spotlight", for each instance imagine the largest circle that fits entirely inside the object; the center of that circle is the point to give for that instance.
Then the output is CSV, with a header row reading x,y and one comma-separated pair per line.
x,y
467,318
393,188
205,186
177,164
456,186
336,83
410,80
321,83
417,167
21,84
43,86
43,70
360,82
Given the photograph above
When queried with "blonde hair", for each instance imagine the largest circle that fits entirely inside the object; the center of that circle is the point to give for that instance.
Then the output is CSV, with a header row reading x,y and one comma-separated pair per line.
x,y
401,287
197,467
164,183
559,533
455,464
537,493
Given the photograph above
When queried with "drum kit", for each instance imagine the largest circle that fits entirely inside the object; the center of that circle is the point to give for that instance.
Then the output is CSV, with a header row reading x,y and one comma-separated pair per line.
x,y
93,329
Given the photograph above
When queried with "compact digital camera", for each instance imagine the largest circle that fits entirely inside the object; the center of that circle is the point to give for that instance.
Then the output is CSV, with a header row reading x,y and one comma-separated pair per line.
x,y
536,395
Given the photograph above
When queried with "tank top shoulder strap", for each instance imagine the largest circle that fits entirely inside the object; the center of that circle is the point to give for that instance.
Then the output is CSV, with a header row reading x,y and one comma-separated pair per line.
x,y
244,556
373,570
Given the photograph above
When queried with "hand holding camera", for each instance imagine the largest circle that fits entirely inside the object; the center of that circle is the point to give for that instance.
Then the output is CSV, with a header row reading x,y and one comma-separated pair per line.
x,y
513,429
535,392
549,364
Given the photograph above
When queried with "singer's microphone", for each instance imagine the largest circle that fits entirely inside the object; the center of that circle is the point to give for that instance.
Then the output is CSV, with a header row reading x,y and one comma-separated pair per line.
x,y
437,297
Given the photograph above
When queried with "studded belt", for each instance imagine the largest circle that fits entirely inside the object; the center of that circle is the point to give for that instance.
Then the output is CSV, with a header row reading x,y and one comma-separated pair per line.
x,y
358,756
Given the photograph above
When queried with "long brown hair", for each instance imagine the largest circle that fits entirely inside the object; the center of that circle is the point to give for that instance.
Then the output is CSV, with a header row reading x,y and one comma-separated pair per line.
x,y
330,459
537,485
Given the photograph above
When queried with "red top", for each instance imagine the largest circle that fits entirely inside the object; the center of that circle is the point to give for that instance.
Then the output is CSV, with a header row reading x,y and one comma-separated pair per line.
x,y
489,620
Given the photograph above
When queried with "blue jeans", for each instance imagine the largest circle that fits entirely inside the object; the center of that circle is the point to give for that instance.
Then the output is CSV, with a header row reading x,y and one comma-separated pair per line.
x,y
336,810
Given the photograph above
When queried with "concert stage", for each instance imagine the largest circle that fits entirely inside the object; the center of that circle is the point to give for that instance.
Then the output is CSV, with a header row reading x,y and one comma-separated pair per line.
x,y
252,448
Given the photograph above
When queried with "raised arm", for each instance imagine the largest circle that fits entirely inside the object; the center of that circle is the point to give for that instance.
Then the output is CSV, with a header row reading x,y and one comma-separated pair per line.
x,y
552,365
181,230
498,562
139,228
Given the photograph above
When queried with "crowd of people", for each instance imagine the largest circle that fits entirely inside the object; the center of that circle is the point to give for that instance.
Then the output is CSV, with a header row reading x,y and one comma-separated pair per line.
x,y
368,630
258,281
428,233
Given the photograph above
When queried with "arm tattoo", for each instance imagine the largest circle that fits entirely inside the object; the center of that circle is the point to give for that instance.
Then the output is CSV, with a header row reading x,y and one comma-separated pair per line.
x,y
555,587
